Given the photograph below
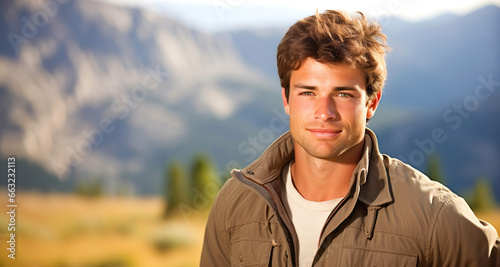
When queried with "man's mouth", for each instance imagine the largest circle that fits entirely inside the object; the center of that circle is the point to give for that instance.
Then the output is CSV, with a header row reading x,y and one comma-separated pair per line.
x,y
324,132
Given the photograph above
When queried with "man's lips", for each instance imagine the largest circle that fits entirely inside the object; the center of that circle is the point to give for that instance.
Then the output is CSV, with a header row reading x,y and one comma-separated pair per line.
x,y
324,133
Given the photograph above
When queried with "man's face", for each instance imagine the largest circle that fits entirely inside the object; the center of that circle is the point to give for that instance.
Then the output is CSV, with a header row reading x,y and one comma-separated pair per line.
x,y
328,108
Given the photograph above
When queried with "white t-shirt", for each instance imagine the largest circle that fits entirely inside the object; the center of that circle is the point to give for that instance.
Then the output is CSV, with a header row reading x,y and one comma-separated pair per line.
x,y
308,218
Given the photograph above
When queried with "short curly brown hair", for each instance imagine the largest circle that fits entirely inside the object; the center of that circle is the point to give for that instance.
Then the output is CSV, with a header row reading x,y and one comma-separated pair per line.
x,y
335,37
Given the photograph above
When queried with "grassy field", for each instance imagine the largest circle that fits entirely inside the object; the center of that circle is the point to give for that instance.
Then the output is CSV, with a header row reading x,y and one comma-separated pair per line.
x,y
67,230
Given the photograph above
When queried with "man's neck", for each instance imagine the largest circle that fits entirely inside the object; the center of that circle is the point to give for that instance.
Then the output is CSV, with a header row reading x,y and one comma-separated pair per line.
x,y
324,179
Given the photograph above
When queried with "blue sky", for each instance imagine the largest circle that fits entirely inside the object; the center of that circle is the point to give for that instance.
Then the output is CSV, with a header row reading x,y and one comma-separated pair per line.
x,y
218,15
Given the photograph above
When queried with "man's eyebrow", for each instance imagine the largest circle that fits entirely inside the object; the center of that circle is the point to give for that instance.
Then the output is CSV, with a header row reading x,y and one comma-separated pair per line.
x,y
303,86
312,87
345,88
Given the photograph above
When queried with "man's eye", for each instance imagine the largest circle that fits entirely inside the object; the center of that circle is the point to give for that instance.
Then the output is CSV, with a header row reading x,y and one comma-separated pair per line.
x,y
306,93
344,95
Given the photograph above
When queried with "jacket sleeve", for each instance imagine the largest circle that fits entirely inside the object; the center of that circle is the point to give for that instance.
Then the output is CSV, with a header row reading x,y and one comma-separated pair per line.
x,y
216,248
459,238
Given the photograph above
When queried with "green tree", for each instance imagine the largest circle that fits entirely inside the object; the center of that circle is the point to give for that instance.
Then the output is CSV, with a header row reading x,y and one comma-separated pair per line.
x,y
176,186
90,188
205,183
481,198
435,168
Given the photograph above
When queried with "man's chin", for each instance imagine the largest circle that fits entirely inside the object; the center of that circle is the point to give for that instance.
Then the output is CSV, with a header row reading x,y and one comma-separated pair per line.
x,y
326,154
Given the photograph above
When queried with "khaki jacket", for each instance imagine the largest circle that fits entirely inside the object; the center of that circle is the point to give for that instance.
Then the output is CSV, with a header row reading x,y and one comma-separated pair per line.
x,y
393,215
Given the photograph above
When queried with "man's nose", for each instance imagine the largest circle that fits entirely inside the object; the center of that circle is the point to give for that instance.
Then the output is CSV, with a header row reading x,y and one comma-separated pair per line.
x,y
325,109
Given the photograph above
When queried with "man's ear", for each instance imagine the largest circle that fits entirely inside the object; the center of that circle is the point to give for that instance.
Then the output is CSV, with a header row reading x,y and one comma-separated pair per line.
x,y
285,101
373,104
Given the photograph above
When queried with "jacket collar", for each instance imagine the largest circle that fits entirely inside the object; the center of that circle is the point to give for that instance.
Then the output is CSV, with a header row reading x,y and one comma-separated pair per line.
x,y
370,173
374,188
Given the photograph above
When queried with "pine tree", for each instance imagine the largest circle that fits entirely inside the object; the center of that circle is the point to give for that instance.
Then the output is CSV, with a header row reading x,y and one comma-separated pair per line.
x,y
435,169
176,187
205,183
90,188
481,198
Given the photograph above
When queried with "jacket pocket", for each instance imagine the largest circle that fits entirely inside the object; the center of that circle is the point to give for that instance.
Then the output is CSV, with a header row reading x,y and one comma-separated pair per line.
x,y
364,257
247,252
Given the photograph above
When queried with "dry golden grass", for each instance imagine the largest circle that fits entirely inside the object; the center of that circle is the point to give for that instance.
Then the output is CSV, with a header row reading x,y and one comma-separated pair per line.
x,y
67,230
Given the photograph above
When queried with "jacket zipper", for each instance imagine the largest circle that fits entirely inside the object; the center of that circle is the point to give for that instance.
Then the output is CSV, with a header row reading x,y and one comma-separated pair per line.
x,y
277,211
331,216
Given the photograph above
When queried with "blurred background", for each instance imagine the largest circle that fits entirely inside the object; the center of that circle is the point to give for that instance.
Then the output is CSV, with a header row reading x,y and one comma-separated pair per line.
x,y
126,116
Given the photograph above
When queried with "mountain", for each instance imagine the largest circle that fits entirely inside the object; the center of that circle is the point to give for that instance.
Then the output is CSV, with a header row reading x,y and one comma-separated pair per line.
x,y
89,90
438,61
463,135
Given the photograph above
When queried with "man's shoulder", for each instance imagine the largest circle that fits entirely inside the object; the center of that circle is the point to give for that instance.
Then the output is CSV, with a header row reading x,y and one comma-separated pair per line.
x,y
420,199
232,188
236,193
238,204
400,171
408,182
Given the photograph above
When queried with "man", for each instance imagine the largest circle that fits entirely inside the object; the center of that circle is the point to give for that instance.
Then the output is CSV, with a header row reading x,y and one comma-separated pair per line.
x,y
322,194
